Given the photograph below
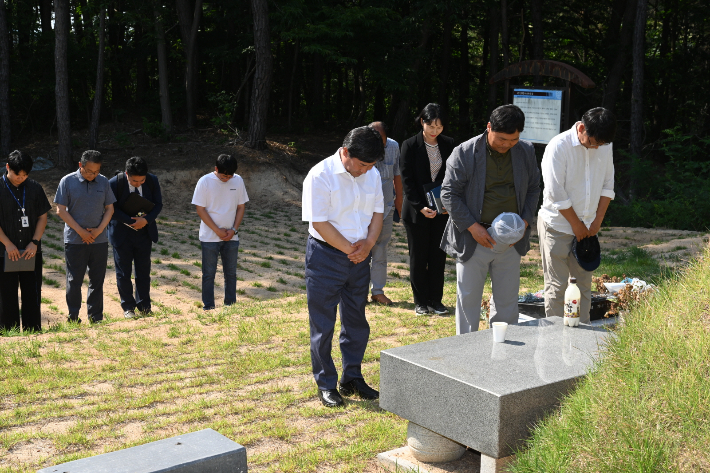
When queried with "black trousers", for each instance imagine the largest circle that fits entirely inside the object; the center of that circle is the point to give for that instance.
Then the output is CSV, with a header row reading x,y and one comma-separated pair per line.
x,y
135,249
427,261
30,284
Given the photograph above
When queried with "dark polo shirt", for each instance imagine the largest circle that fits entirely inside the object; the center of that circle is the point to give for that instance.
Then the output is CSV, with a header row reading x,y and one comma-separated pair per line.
x,y
36,205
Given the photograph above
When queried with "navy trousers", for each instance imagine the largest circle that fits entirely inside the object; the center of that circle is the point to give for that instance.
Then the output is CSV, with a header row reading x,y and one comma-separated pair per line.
x,y
135,249
332,280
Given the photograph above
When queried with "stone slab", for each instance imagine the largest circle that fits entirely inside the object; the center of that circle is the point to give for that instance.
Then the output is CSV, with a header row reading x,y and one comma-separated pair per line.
x,y
487,395
401,460
204,451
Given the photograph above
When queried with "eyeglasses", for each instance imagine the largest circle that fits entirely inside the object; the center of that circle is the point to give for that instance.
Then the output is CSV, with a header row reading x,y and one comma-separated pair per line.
x,y
90,173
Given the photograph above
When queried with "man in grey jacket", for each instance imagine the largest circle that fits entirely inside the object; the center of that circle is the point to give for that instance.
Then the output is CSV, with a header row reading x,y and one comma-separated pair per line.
x,y
487,175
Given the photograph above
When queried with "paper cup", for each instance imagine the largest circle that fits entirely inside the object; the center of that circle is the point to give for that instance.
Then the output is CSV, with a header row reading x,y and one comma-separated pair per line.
x,y
499,329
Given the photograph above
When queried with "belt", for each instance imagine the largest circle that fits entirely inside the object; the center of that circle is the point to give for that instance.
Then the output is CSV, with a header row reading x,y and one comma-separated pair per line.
x,y
324,243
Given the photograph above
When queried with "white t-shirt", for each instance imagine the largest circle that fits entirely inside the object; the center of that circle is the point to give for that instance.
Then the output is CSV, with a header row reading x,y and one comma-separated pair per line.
x,y
220,199
332,194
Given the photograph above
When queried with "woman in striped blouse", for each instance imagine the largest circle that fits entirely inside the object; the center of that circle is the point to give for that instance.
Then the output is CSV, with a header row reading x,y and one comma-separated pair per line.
x,y
423,165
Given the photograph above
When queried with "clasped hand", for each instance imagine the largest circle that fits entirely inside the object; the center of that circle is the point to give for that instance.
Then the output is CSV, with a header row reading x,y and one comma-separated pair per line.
x,y
225,234
361,250
14,254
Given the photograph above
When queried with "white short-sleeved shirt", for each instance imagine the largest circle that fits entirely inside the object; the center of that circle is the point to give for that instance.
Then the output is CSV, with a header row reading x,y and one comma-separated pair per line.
x,y
220,199
575,177
332,194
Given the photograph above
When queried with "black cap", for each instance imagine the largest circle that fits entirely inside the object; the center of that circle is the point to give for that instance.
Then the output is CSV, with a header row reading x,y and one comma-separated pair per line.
x,y
587,252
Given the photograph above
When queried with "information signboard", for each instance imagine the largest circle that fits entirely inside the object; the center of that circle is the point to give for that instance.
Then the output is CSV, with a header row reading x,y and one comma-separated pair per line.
x,y
543,113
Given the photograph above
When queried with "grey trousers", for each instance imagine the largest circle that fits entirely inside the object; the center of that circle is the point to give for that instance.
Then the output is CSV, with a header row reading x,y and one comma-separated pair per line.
x,y
504,269
558,264
80,257
378,270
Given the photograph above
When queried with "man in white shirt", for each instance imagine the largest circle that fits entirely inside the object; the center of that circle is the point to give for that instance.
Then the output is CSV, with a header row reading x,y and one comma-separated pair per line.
x,y
578,173
343,203
220,199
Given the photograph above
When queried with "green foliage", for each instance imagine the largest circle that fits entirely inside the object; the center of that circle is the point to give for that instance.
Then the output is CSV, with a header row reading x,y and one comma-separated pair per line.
x,y
154,129
678,197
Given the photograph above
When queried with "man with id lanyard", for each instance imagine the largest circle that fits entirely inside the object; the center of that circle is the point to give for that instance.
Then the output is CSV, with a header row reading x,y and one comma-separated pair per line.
x,y
23,218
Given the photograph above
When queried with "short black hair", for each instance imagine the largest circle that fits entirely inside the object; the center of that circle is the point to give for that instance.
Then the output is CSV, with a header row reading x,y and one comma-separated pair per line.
x,y
365,143
382,125
226,164
507,119
20,161
430,114
600,124
136,166
90,156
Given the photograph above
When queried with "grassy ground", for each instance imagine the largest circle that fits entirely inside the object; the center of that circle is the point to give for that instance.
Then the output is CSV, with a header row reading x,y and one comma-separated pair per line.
x,y
647,405
76,391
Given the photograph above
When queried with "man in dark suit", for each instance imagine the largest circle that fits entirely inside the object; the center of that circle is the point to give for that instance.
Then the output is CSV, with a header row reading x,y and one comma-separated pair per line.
x,y
132,237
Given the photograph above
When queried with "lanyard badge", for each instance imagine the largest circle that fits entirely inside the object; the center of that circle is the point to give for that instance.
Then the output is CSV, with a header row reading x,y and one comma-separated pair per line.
x,y
24,219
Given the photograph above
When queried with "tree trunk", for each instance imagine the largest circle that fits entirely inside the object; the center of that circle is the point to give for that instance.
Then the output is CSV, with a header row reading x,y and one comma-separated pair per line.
x,y
378,108
639,53
262,75
189,25
45,13
616,73
316,105
536,13
493,11
445,64
402,115
290,85
464,84
504,36
4,84
537,51
362,107
165,111
61,71
99,90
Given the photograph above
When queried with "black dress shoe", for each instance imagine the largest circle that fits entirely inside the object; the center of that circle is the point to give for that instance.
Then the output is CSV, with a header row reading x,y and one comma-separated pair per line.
x,y
358,386
330,398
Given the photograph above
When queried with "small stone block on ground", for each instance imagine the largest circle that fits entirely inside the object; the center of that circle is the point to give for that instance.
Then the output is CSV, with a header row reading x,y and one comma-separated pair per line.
x,y
487,395
204,451
401,460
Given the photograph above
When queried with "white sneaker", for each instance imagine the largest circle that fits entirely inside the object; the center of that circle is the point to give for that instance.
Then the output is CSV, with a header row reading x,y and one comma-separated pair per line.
x,y
129,314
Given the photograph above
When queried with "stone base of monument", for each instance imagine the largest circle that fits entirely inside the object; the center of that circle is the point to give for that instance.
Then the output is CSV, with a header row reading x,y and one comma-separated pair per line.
x,y
197,452
430,447
401,460
488,395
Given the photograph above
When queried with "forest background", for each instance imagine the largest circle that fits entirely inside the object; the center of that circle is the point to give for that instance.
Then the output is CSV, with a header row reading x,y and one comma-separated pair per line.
x,y
252,68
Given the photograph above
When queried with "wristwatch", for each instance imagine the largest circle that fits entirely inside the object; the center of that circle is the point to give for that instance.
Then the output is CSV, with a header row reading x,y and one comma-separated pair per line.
x,y
36,242
234,230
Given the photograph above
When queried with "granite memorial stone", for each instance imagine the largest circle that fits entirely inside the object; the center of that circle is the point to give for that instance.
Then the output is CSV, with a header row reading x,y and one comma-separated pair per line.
x,y
487,395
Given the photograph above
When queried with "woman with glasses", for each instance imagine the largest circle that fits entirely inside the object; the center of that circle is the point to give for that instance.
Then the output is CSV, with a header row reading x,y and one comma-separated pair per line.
x,y
423,165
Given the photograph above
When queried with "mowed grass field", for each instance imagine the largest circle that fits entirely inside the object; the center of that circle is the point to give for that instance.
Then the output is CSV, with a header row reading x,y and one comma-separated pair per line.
x,y
244,371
